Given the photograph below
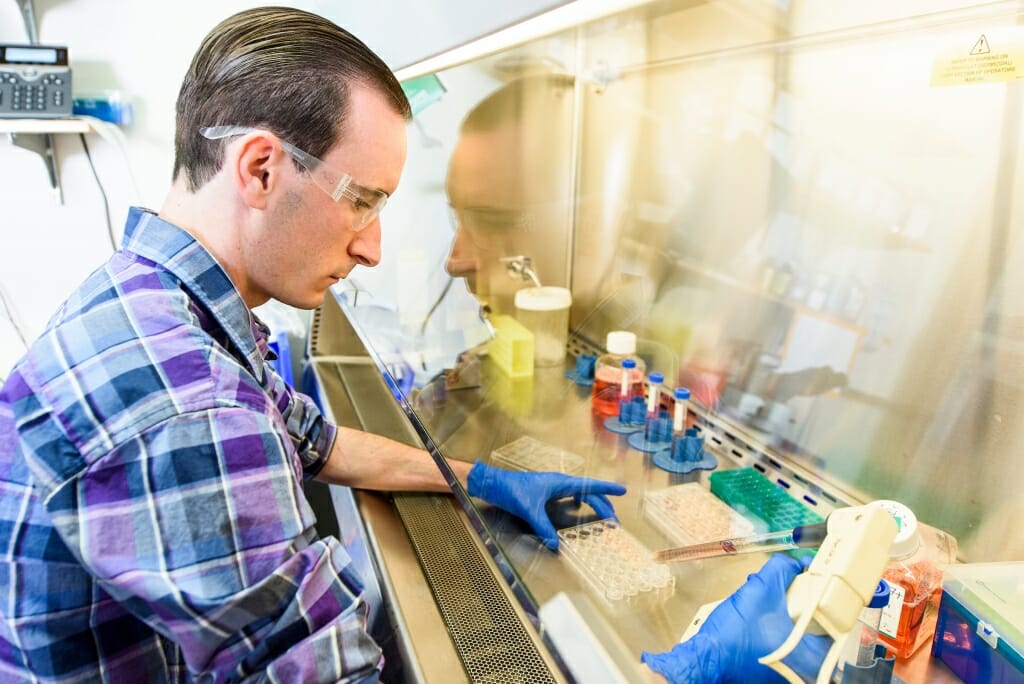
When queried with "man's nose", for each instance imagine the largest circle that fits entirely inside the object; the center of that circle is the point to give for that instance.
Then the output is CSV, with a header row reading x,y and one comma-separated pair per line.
x,y
365,248
462,256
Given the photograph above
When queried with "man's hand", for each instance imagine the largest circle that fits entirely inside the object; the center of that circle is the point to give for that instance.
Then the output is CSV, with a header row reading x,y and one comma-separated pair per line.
x,y
750,624
524,495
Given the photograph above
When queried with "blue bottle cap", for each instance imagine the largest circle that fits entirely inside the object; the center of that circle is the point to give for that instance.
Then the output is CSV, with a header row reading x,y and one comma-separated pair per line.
x,y
681,393
629,364
656,378
881,597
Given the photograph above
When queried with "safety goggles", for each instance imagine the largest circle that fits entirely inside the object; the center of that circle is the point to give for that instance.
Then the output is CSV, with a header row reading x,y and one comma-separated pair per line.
x,y
366,203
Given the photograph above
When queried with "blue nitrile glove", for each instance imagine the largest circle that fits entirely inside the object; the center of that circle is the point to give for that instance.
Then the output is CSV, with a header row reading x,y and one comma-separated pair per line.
x,y
748,625
524,495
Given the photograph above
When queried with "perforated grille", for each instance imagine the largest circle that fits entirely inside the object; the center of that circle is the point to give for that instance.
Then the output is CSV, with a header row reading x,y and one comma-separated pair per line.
x,y
577,345
314,331
490,638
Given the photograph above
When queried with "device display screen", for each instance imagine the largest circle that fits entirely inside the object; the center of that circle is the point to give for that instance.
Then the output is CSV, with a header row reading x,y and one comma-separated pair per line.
x,y
30,55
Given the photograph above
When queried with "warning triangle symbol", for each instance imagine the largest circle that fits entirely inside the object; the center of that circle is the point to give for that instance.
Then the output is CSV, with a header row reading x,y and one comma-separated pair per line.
x,y
981,46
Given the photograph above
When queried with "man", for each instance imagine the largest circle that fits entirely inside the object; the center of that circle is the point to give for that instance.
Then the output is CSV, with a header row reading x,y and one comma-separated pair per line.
x,y
154,525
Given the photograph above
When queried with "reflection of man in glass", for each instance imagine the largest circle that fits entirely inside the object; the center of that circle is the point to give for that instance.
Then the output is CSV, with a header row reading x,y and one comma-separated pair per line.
x,y
508,185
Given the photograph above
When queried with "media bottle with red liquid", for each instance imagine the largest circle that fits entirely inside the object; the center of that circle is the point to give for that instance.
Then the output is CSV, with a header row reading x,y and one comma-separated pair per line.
x,y
914,573
608,374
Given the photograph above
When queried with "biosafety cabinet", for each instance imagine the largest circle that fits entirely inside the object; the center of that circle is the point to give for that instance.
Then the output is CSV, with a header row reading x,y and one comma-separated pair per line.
x,y
809,214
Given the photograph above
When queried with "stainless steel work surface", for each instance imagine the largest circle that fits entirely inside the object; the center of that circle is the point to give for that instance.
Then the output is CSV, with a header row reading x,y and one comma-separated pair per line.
x,y
472,422
548,407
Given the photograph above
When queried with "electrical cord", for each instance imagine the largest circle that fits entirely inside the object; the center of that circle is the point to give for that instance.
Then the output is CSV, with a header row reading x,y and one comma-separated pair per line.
x,y
99,184
426,319
437,303
9,315
115,136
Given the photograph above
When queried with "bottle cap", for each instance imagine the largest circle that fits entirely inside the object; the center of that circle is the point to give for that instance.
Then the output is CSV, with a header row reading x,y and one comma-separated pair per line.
x,y
907,538
621,342
681,393
881,597
629,364
656,378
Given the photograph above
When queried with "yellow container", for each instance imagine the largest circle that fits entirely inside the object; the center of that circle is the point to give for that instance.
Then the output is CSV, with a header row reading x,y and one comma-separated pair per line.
x,y
512,347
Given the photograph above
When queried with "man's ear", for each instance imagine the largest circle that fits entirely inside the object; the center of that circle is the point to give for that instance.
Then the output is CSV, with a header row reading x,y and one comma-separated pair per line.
x,y
256,164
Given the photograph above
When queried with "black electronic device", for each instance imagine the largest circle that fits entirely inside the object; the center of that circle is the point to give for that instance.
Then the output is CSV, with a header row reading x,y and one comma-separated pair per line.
x,y
35,81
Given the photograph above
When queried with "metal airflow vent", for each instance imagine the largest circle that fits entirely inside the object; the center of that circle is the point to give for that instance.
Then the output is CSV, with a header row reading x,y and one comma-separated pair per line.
x,y
577,345
314,331
489,636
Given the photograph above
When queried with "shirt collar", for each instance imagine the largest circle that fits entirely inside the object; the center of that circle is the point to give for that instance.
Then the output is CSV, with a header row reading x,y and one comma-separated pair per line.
x,y
176,250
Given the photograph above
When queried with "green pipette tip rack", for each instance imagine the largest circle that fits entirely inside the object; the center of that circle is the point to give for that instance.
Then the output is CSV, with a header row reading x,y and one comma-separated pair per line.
x,y
767,506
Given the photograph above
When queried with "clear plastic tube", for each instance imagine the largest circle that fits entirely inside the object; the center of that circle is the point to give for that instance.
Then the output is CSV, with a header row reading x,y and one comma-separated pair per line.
x,y
681,395
870,619
654,381
861,644
627,375
868,636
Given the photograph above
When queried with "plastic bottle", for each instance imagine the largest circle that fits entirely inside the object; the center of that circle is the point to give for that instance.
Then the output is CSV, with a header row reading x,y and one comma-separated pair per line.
x,y
914,573
605,396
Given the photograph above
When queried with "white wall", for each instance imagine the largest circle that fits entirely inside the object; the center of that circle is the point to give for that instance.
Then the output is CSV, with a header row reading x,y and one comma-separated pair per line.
x,y
142,49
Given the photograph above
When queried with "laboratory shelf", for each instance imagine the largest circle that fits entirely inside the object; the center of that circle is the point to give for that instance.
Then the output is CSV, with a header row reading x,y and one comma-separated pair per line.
x,y
36,135
54,126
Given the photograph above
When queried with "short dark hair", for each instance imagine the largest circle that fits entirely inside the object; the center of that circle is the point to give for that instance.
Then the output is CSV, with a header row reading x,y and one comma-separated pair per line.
x,y
509,103
278,68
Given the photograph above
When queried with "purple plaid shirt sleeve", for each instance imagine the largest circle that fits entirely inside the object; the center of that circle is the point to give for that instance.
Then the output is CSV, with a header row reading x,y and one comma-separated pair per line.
x,y
152,521
312,436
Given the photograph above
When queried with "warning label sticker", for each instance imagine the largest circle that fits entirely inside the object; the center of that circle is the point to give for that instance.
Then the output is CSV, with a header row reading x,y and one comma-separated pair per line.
x,y
989,57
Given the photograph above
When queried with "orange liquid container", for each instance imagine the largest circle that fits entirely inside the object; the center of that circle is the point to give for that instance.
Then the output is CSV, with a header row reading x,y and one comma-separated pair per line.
x,y
607,392
915,622
914,574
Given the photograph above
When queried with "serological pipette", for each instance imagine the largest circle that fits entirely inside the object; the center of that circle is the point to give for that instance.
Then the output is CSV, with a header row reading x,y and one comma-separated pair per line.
x,y
800,537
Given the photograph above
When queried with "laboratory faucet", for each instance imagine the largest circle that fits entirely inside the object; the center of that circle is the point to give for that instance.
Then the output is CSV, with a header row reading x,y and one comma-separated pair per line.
x,y
521,267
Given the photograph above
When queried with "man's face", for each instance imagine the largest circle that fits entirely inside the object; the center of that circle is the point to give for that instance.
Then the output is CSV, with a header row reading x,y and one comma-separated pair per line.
x,y
488,192
307,242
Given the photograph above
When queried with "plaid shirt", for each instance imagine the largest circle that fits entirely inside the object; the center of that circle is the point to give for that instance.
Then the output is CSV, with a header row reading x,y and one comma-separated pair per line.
x,y
152,521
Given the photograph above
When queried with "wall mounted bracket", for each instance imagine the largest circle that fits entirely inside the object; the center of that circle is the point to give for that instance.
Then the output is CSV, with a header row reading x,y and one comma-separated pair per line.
x,y
40,143
28,15
43,145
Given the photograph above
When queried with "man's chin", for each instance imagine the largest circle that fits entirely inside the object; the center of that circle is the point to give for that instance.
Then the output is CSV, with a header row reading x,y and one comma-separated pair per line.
x,y
468,276
309,302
